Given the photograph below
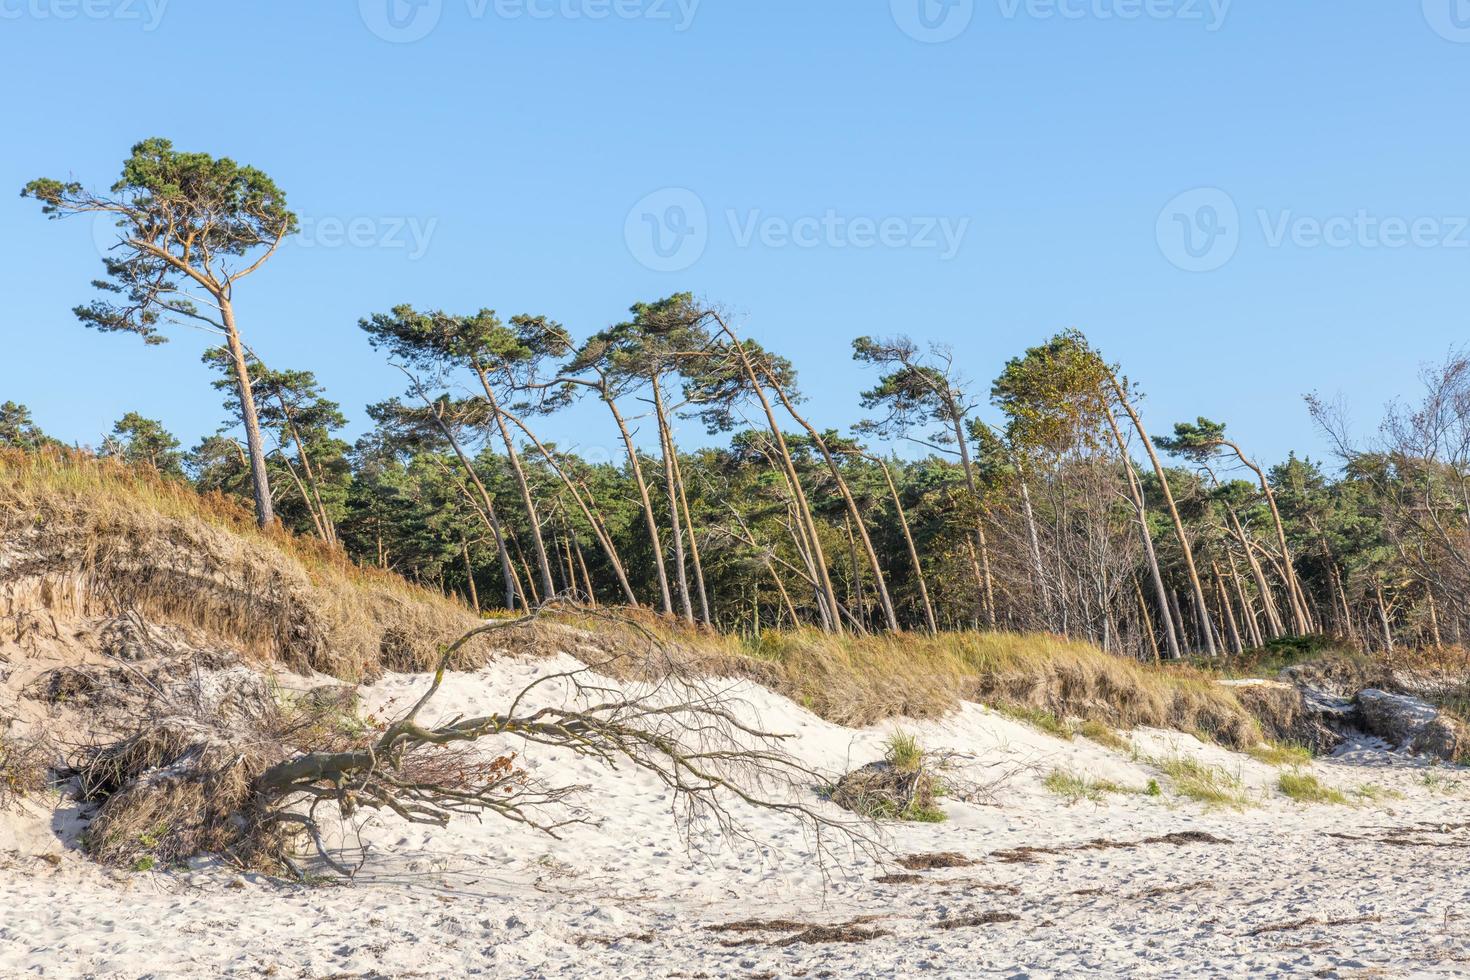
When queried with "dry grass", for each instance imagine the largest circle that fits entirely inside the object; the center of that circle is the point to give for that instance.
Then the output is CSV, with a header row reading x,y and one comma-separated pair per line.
x,y
93,537
1203,783
863,680
906,785
90,536
1278,754
1076,787
1305,788
23,767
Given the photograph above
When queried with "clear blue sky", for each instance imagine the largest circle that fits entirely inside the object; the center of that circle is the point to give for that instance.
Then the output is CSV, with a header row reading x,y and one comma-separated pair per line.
x,y
522,135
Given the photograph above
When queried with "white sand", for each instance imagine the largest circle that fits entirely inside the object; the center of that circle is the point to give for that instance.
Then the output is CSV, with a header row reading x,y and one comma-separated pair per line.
x,y
626,898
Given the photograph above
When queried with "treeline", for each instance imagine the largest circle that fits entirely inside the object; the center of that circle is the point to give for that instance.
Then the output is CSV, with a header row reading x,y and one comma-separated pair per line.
x,y
1067,516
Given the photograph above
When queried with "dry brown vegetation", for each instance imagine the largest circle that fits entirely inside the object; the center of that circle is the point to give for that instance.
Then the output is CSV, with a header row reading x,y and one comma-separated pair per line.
x,y
88,537
82,537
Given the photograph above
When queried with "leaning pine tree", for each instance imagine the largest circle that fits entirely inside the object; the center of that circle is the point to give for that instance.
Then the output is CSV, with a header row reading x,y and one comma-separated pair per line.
x,y
188,227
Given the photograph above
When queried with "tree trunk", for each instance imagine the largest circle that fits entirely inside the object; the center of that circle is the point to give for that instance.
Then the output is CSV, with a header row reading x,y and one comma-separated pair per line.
x,y
1140,508
794,479
1144,623
671,486
469,574
1042,587
693,539
1247,610
603,539
856,516
1383,619
957,420
542,564
1299,613
512,584
1273,617
908,539
1201,608
1223,598
265,514
647,502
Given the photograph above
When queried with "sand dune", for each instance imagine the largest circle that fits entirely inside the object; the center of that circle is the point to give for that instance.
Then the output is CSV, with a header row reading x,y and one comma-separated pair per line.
x,y
1133,885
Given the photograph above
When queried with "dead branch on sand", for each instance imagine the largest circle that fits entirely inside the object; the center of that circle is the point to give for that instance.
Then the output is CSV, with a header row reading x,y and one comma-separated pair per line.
x,y
683,728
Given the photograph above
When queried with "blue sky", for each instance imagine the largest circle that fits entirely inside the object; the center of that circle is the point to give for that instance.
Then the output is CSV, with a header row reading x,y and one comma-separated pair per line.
x,y
982,176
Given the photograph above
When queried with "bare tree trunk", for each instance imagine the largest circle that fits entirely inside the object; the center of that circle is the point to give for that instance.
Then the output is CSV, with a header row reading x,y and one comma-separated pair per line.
x,y
1043,588
512,584
1299,612
1268,601
889,616
671,486
1202,610
469,574
693,540
1433,616
520,477
956,418
652,523
1140,510
908,539
1383,619
1144,623
265,514
792,477
593,518
1249,612
1223,598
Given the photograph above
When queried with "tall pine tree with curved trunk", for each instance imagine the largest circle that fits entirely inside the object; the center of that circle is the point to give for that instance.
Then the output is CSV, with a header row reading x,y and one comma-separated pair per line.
x,y
919,391
493,352
1201,441
189,227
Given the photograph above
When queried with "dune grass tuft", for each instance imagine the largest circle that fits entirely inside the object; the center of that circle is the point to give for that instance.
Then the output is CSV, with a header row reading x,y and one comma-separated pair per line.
x,y
1076,787
1210,785
1281,754
1306,788
1096,731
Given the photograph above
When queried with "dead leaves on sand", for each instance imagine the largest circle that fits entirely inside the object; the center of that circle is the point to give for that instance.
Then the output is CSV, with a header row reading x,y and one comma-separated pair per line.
x,y
1029,855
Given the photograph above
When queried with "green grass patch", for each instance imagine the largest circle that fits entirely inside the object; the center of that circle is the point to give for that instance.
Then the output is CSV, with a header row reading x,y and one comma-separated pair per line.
x,y
1281,754
1096,731
1037,718
903,752
1076,787
1375,793
1203,783
1305,788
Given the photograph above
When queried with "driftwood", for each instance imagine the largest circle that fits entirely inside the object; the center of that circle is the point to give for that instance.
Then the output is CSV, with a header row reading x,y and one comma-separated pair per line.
x,y
679,726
